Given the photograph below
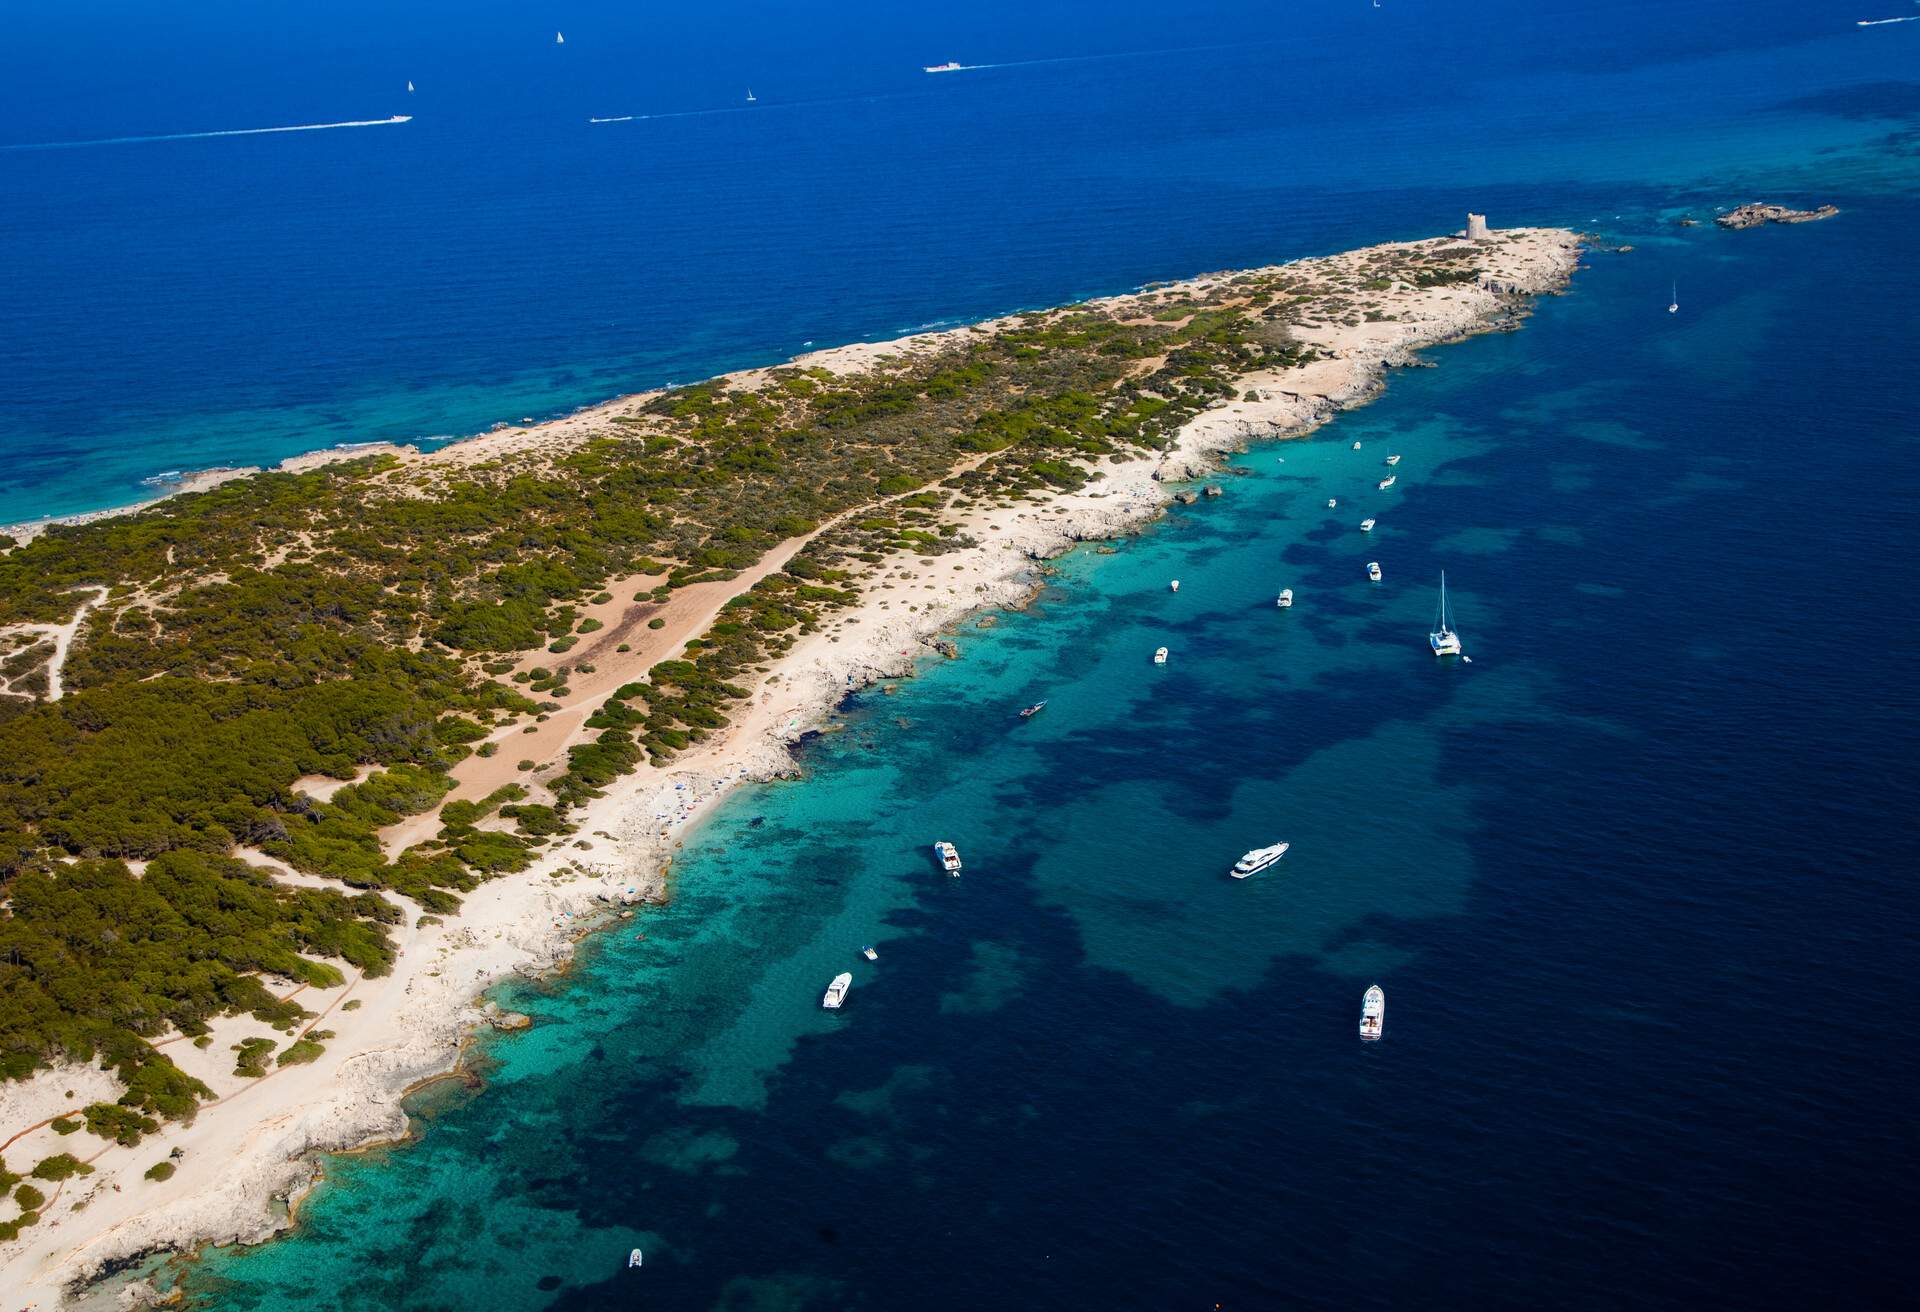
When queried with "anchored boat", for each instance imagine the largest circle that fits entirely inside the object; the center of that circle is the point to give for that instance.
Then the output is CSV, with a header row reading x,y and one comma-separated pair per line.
x,y
1033,710
837,991
949,857
1444,640
1285,599
1257,860
1373,570
1373,1013
1159,655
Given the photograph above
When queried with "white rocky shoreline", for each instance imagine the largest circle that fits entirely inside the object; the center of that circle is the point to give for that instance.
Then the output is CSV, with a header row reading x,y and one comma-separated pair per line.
x,y
258,1143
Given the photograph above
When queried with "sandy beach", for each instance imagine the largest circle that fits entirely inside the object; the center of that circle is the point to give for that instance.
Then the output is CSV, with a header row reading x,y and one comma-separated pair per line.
x,y
259,1140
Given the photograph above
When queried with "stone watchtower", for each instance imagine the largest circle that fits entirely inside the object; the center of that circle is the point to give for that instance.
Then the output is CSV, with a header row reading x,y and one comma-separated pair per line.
x,y
1477,228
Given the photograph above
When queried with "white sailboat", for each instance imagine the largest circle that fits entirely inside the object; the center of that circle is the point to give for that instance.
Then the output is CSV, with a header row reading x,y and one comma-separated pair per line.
x,y
750,96
559,38
1444,640
1673,306
409,86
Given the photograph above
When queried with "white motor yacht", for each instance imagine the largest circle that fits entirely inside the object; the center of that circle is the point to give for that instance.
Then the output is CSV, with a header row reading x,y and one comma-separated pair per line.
x,y
1373,1013
1257,860
837,991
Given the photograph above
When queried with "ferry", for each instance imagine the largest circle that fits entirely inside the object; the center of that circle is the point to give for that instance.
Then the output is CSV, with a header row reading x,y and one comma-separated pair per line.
x,y
1393,460
837,991
1373,570
1257,860
869,954
1159,655
949,857
1373,1013
1033,710
1443,639
1388,481
1285,599
951,66
1366,525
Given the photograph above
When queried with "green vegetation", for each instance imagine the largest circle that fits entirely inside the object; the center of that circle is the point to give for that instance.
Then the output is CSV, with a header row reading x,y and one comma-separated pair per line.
x,y
364,622
60,1166
29,1198
304,1049
251,1062
160,1171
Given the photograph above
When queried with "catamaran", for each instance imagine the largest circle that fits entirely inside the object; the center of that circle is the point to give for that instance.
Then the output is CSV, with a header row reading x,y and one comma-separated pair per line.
x,y
1444,640
1373,1013
949,857
1257,860
837,991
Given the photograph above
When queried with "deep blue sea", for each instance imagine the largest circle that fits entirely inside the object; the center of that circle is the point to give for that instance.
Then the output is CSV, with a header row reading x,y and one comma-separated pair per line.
x,y
1636,880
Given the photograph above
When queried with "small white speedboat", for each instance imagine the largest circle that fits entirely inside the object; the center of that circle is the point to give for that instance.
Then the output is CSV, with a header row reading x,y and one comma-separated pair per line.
x,y
949,857
1159,655
1285,599
869,954
1257,860
1366,525
1356,446
1373,570
1393,460
1373,1013
1332,502
1174,586
837,991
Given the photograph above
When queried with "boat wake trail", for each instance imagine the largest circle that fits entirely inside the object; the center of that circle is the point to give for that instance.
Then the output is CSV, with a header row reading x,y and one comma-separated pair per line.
x,y
1882,22
196,136
1091,59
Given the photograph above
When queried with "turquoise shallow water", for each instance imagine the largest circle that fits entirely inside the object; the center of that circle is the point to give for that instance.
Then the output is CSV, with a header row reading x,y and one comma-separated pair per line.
x,y
1630,880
